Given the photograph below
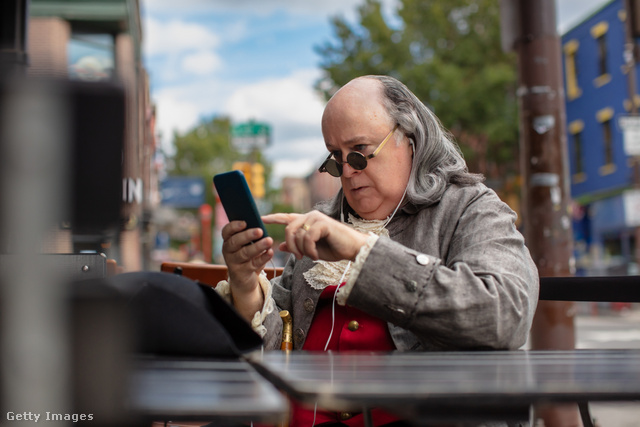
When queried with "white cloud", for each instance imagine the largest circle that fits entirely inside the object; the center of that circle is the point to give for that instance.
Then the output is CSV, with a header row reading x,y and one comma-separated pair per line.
x,y
296,156
291,168
174,114
174,37
294,110
289,105
201,63
288,99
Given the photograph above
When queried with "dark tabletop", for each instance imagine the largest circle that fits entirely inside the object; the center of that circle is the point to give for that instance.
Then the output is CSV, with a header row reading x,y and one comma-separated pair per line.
x,y
204,390
467,382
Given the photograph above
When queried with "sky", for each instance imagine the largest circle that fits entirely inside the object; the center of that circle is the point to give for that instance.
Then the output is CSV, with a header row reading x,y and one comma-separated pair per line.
x,y
255,60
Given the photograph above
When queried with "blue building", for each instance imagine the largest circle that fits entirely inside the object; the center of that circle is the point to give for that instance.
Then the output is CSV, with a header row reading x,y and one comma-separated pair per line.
x,y
602,139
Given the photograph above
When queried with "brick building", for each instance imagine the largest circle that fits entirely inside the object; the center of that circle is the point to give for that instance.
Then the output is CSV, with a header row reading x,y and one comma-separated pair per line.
x,y
101,41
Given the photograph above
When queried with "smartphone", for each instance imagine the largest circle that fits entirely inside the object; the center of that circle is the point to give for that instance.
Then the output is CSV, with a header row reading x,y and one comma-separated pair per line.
x,y
237,200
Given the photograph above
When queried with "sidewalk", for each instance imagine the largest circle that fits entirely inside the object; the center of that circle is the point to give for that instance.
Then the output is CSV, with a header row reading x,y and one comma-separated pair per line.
x,y
611,329
616,414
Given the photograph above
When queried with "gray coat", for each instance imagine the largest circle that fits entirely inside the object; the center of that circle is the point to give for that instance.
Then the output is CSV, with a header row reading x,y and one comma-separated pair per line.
x,y
453,275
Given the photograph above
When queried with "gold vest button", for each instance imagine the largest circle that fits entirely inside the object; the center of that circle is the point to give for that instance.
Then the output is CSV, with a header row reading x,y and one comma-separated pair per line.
x,y
353,325
345,415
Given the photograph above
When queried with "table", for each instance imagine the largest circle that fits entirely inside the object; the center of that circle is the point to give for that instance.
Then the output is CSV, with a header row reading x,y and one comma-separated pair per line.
x,y
223,391
453,386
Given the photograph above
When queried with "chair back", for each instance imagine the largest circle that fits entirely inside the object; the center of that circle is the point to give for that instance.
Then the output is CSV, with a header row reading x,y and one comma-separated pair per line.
x,y
596,289
207,274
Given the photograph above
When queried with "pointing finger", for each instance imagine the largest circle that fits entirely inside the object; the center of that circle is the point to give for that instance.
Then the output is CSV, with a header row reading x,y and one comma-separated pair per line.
x,y
279,218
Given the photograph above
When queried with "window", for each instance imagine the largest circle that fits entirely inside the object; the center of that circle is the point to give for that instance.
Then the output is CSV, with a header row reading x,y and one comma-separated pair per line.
x,y
599,32
602,55
91,56
571,69
607,141
577,143
575,129
605,117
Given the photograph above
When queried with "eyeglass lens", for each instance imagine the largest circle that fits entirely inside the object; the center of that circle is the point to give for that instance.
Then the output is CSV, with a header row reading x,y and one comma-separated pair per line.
x,y
356,160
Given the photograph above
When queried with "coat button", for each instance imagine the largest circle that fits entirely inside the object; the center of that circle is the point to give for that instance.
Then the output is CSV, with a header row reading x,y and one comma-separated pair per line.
x,y
353,325
298,336
422,259
308,305
411,285
345,415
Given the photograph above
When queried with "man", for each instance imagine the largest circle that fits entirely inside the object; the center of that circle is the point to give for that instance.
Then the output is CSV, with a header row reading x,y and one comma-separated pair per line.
x,y
414,249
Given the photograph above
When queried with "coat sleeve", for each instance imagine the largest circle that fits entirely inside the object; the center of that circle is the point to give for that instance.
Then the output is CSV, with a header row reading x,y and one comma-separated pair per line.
x,y
479,291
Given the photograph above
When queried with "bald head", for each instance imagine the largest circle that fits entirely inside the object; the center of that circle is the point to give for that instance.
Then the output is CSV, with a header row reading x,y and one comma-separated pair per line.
x,y
362,99
356,120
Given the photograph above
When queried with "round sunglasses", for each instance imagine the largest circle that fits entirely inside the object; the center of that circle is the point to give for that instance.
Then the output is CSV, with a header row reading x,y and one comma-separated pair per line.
x,y
356,160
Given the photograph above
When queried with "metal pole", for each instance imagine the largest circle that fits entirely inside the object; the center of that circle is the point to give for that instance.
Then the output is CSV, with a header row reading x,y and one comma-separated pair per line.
x,y
546,218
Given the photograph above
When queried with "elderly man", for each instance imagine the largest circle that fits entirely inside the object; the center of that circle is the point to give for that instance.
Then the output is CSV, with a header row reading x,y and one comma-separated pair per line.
x,y
414,253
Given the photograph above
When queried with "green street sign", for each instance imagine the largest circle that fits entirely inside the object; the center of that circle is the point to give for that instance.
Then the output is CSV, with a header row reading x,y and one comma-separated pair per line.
x,y
250,135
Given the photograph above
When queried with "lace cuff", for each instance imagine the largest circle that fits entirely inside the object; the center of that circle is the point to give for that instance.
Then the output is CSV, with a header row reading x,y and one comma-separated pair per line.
x,y
344,291
224,289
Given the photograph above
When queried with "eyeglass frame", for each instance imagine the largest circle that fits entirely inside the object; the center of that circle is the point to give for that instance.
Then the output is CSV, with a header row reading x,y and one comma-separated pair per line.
x,y
357,154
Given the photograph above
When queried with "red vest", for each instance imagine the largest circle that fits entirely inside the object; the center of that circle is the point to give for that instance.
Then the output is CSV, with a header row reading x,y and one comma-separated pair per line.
x,y
353,330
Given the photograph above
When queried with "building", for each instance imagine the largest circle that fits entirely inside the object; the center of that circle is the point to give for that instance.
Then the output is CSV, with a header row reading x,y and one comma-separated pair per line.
x,y
322,186
100,41
601,96
295,193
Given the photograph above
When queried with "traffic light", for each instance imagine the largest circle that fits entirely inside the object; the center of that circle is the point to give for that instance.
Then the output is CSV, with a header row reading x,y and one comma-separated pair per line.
x,y
257,180
254,174
245,168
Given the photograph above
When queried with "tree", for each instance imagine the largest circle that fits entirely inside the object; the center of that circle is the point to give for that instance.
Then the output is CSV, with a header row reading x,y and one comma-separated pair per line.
x,y
206,150
448,53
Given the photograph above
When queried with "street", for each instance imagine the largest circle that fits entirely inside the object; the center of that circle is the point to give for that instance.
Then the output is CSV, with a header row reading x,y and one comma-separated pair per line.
x,y
611,330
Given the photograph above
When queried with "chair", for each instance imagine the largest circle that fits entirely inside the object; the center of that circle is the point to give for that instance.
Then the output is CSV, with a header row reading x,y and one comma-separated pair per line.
x,y
207,274
590,289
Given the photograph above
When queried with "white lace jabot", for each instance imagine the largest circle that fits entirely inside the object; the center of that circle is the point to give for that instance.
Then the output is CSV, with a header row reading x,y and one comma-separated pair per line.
x,y
326,273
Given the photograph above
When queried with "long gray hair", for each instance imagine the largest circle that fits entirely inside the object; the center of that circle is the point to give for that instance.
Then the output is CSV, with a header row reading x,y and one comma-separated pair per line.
x,y
437,160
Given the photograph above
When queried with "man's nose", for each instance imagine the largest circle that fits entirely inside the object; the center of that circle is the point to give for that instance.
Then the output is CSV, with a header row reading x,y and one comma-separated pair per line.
x,y
348,170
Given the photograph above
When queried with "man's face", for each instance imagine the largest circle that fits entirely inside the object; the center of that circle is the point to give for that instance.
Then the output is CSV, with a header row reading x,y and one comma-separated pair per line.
x,y
356,120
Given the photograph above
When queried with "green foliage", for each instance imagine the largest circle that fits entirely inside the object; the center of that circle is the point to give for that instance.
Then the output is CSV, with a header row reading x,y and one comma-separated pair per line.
x,y
276,231
206,150
448,53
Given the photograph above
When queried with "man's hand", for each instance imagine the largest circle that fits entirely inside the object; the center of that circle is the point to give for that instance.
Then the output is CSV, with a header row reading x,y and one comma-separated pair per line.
x,y
245,261
318,236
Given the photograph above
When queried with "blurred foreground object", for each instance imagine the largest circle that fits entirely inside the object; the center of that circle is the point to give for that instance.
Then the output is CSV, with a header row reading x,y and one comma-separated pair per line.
x,y
60,151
